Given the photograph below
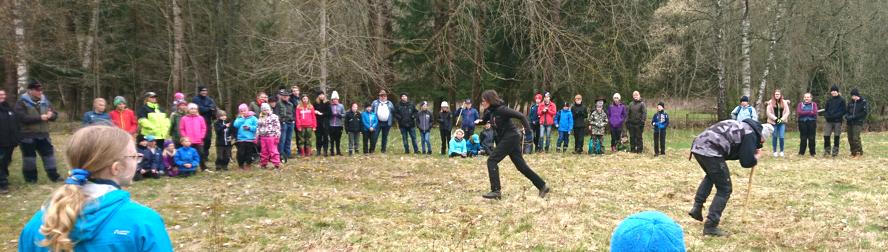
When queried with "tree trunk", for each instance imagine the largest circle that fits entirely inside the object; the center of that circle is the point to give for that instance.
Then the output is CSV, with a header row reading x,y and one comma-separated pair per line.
x,y
772,43
178,44
323,35
21,50
478,24
9,83
745,69
720,59
87,51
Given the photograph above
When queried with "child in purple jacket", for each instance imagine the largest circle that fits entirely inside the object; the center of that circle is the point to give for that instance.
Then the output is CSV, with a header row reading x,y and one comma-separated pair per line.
x,y
616,115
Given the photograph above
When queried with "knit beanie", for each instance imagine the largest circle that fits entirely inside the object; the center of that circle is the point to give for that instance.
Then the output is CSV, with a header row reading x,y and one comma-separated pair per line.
x,y
648,231
118,100
834,88
178,96
243,107
334,95
445,104
855,92
265,106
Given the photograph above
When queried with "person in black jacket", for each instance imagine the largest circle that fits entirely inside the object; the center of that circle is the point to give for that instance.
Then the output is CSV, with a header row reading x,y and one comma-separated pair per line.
x,y
726,140
9,139
509,143
579,116
405,114
858,109
323,121
353,126
833,112
225,136
445,124
206,107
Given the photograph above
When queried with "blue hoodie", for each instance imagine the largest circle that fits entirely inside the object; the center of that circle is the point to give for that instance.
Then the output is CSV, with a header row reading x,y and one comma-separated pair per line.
x,y
249,134
369,120
565,120
458,146
187,155
111,222
151,160
474,145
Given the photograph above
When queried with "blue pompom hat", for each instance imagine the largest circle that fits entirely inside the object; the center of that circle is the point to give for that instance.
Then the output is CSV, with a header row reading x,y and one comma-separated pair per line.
x,y
648,231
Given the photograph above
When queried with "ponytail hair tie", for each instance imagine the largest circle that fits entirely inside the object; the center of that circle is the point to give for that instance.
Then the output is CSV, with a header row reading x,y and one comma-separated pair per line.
x,y
77,177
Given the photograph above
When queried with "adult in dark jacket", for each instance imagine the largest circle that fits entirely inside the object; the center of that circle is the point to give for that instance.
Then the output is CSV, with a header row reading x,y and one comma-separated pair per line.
x,y
206,107
35,113
322,134
858,109
635,123
405,114
445,124
285,110
534,118
509,142
579,117
834,113
294,99
726,140
9,139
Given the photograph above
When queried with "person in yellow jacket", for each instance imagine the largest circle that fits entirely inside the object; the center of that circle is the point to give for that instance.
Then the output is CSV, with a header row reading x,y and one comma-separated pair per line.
x,y
152,120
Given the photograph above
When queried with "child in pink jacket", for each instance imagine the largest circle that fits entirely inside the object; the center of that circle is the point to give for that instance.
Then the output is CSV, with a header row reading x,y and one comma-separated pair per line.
x,y
194,127
269,137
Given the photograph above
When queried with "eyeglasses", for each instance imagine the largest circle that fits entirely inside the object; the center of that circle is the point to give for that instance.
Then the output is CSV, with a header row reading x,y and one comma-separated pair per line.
x,y
138,157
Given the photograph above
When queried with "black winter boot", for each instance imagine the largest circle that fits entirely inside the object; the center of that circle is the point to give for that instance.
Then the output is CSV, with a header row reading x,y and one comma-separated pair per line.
x,y
826,148
493,195
835,151
711,229
696,212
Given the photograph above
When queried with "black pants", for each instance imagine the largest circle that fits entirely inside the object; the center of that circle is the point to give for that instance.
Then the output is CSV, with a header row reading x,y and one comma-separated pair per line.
x,y
322,138
457,155
854,139
298,140
807,132
636,138
616,136
718,175
30,148
510,145
5,159
245,152
203,155
536,136
207,143
445,140
223,157
579,135
382,132
369,138
660,142
335,139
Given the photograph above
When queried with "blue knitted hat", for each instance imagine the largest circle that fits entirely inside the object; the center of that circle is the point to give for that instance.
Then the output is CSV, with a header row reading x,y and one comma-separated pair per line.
x,y
648,231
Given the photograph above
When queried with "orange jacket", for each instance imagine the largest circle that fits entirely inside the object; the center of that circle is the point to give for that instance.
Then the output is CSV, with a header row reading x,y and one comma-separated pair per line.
x,y
547,118
125,120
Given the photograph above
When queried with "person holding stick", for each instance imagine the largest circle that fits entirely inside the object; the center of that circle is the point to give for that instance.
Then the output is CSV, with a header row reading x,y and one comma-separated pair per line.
x,y
726,140
508,143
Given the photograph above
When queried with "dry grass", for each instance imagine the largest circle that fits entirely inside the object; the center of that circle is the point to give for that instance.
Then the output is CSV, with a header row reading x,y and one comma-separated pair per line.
x,y
398,202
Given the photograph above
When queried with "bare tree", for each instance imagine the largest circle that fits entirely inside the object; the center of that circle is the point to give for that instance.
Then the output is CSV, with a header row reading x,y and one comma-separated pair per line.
x,y
720,58
772,44
178,47
21,50
745,45
323,48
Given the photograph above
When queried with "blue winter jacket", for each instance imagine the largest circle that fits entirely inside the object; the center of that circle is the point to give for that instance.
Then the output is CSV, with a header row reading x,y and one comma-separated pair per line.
x,y
112,222
565,120
474,146
458,146
369,120
91,118
151,160
248,134
660,126
468,117
532,116
187,155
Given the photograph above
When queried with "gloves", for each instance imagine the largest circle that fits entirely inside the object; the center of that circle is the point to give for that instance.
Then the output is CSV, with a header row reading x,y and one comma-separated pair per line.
x,y
779,121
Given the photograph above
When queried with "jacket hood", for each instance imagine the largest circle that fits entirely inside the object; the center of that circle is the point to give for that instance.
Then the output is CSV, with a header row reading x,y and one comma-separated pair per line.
x,y
27,98
757,127
475,139
96,213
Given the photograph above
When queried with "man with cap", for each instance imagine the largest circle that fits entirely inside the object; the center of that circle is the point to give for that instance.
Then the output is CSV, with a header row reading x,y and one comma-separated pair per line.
x,y
726,140
383,108
206,107
9,139
648,231
152,120
858,109
122,117
405,113
469,115
295,99
34,112
833,113
285,111
744,111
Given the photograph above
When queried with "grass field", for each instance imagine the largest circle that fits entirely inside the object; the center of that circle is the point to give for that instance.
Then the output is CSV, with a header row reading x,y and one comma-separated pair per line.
x,y
409,202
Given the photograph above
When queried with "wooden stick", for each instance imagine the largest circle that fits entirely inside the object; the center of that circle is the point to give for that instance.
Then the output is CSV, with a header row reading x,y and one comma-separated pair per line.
x,y
748,191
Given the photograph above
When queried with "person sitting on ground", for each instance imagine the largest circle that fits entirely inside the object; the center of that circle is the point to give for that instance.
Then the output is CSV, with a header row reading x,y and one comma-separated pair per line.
x,y
487,140
91,212
458,145
169,159
152,159
474,145
187,159
648,231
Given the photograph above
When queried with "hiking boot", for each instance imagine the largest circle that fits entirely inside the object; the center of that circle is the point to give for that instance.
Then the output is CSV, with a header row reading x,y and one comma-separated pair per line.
x,y
711,229
4,190
696,212
493,195
544,191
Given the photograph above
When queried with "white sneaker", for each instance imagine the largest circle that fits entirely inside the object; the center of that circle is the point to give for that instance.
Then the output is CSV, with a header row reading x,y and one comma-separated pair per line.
x,y
781,154
775,154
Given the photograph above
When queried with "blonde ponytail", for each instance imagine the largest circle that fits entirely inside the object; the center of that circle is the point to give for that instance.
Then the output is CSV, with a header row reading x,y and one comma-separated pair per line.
x,y
93,149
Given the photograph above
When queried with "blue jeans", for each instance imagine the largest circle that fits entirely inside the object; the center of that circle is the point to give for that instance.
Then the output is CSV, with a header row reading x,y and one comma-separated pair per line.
x,y
286,138
426,139
545,134
405,131
563,137
778,136
383,131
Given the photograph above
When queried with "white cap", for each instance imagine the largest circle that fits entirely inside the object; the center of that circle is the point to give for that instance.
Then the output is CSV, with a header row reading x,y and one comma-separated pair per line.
x,y
767,130
617,95
192,106
445,104
334,95
265,106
